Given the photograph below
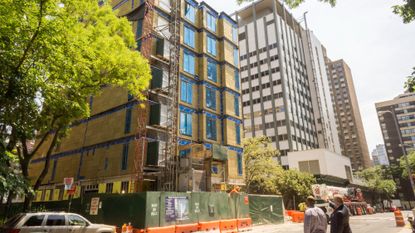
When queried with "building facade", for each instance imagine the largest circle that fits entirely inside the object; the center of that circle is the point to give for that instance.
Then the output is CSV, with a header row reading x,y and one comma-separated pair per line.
x,y
285,89
275,86
324,115
101,152
397,122
379,155
349,122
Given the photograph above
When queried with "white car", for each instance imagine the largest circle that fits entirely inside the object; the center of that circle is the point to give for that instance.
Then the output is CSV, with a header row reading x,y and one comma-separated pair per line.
x,y
51,222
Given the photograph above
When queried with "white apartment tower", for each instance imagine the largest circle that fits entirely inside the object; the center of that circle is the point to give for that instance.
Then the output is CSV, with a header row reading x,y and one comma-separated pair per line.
x,y
285,92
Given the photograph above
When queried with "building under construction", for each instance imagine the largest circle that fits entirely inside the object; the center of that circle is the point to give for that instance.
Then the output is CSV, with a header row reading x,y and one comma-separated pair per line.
x,y
186,136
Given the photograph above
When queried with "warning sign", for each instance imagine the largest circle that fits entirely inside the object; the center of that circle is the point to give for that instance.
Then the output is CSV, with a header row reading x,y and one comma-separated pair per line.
x,y
93,210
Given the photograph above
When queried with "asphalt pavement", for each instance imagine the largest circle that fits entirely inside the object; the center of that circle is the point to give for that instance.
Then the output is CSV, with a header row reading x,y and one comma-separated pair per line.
x,y
377,223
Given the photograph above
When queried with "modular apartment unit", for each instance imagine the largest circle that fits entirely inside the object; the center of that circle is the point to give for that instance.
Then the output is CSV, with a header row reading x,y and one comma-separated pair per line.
x,y
397,122
100,152
349,122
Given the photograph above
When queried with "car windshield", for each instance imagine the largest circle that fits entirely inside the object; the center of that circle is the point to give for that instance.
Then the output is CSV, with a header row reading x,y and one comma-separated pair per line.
x,y
13,221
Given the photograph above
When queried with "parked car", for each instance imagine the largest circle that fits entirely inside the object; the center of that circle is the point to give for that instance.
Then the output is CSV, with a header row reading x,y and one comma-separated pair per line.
x,y
53,222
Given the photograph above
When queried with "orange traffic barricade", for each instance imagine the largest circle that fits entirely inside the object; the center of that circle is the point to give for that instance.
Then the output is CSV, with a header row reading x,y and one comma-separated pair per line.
x,y
187,228
167,229
228,226
244,224
212,226
298,217
399,218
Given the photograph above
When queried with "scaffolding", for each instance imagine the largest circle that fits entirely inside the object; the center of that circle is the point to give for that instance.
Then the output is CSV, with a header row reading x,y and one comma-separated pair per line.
x,y
168,174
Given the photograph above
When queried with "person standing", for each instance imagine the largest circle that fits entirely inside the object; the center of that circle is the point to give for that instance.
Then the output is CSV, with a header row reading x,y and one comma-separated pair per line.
x,y
339,221
315,220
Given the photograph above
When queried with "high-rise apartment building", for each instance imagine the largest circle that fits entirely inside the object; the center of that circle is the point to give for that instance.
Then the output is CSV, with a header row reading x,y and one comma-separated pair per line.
x,y
379,155
104,153
325,118
349,122
285,90
397,122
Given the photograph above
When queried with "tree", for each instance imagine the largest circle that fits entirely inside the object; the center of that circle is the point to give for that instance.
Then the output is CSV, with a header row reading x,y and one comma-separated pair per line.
x,y
406,10
410,82
403,165
54,55
294,186
261,169
378,182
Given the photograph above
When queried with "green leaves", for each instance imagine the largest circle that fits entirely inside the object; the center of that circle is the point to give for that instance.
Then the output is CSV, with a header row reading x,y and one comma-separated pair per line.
x,y
406,11
264,175
410,82
54,55
378,180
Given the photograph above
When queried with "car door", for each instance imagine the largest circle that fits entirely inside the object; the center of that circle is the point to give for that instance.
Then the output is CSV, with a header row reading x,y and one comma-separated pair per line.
x,y
56,223
34,224
76,224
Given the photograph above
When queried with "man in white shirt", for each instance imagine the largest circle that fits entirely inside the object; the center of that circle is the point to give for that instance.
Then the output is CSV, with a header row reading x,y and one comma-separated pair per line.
x,y
315,220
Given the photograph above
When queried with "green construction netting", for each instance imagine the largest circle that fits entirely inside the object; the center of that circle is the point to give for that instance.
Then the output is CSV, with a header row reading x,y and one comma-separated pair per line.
x,y
266,209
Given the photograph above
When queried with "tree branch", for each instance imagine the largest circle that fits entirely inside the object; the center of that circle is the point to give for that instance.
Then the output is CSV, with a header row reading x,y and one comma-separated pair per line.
x,y
47,160
26,51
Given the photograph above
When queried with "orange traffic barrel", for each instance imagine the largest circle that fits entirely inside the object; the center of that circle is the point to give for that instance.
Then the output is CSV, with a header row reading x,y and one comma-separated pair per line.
x,y
399,219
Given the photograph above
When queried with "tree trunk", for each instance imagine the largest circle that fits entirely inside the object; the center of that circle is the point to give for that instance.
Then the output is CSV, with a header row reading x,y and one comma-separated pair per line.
x,y
29,198
9,204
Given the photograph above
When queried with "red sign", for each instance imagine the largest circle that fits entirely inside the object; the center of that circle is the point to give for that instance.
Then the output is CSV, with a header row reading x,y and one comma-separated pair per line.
x,y
246,200
72,190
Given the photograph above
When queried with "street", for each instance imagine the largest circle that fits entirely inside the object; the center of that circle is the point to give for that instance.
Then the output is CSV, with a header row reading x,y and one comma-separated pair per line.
x,y
378,223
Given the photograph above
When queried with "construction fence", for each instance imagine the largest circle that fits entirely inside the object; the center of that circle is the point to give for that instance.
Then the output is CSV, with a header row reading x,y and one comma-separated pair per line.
x,y
157,209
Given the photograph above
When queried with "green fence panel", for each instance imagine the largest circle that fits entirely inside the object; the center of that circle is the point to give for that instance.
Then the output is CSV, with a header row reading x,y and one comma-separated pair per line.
x,y
241,205
195,208
266,209
174,208
152,209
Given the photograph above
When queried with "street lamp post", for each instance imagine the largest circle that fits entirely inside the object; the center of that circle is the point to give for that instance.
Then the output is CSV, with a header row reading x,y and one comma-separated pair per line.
x,y
405,155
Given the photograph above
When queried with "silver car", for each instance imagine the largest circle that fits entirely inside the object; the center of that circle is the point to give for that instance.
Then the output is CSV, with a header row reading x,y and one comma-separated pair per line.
x,y
51,222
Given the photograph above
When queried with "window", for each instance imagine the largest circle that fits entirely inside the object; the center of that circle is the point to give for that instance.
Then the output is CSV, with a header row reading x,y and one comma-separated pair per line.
x,y
239,160
109,187
55,220
210,98
124,187
190,12
211,45
186,92
235,34
237,84
189,62
212,70
210,128
127,126
189,36
184,153
211,22
186,123
75,220
236,105
34,221
124,161
238,134
235,56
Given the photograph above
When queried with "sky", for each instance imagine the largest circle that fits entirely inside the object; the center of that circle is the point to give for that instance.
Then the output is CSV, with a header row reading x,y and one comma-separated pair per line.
x,y
376,44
